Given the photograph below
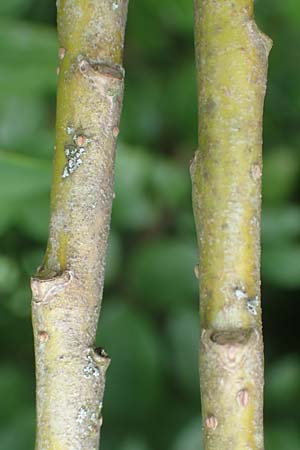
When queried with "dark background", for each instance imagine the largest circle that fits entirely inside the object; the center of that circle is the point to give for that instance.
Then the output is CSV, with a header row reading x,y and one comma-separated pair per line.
x,y
149,321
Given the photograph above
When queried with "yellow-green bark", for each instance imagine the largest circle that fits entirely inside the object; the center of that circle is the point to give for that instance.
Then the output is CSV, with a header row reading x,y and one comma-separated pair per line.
x,y
231,55
67,288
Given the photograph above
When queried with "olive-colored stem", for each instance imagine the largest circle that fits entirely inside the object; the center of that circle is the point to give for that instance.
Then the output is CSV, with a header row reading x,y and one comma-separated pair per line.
x,y
67,288
231,56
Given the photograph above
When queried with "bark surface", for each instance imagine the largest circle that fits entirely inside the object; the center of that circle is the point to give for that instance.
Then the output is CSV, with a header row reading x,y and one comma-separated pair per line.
x,y
231,55
67,288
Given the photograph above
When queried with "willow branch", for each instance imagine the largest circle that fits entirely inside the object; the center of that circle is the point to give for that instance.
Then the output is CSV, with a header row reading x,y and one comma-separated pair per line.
x,y
231,55
67,289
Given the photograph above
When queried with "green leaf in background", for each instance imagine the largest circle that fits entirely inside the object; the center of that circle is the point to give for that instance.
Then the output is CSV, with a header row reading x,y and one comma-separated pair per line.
x,y
281,437
185,224
152,40
19,434
19,300
281,250
289,11
19,303
183,334
7,218
190,437
28,59
21,178
14,7
281,224
133,386
281,265
142,120
15,392
114,255
133,206
35,217
133,443
283,388
31,260
40,144
170,184
161,274
14,133
31,133
175,15
180,105
281,170
9,275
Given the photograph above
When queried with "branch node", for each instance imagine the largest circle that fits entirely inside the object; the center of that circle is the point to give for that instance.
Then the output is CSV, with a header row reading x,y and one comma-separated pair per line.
x,y
97,362
91,69
45,289
260,37
101,357
238,336
230,347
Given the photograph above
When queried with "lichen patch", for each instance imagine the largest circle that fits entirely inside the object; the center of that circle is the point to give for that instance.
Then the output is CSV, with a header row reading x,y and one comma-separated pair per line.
x,y
82,414
74,151
91,369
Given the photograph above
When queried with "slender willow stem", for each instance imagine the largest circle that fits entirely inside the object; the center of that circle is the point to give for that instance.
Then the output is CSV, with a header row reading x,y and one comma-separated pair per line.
x,y
67,288
231,55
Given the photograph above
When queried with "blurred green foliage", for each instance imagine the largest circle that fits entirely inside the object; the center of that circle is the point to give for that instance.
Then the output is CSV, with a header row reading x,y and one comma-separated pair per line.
x,y
149,321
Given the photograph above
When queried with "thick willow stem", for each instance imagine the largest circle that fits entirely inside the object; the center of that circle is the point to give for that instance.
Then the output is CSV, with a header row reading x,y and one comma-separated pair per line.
x,y
67,288
231,56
